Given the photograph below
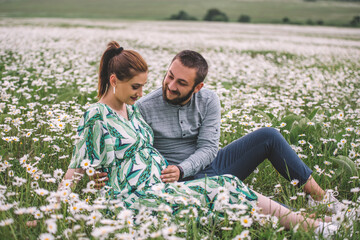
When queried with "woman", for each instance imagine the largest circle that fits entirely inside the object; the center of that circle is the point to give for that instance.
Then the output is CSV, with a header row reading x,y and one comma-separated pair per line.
x,y
115,139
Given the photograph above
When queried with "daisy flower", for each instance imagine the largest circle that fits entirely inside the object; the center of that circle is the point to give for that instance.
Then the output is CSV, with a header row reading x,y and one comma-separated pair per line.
x,y
244,235
227,228
34,184
90,171
6,222
352,154
338,217
46,236
38,214
246,221
58,173
41,191
60,125
85,164
340,115
16,139
64,193
11,173
302,142
51,225
203,221
94,217
327,162
274,221
90,184
7,139
294,182
125,214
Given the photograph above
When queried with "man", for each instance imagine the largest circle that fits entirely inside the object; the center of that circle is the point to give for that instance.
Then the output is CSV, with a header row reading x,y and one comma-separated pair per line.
x,y
185,118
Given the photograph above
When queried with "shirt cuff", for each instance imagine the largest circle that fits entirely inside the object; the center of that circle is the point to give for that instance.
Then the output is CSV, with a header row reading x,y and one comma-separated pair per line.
x,y
187,169
181,172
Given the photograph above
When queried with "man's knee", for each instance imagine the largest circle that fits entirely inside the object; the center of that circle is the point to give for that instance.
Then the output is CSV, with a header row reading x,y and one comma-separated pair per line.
x,y
269,132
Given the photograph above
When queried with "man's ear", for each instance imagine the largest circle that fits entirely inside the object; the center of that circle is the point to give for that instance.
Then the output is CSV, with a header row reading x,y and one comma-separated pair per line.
x,y
198,87
112,80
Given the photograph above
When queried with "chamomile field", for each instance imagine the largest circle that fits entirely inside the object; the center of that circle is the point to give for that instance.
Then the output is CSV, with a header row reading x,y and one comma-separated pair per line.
x,y
303,81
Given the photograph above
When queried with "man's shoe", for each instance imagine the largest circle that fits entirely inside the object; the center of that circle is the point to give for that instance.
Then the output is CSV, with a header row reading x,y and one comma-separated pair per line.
x,y
332,204
326,230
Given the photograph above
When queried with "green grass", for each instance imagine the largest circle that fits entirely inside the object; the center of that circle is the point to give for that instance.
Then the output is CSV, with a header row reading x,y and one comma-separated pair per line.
x,y
255,85
260,11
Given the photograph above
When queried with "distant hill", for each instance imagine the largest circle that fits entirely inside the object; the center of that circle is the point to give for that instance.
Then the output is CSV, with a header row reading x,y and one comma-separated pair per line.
x,y
260,11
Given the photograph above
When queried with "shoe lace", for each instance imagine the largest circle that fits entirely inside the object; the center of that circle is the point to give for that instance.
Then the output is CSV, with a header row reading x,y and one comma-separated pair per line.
x,y
334,193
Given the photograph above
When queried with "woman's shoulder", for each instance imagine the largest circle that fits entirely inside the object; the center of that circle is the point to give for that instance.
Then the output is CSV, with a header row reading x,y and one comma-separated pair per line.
x,y
94,111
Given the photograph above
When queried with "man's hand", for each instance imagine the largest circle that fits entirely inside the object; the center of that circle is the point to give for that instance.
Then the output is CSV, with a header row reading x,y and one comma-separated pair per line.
x,y
170,174
100,179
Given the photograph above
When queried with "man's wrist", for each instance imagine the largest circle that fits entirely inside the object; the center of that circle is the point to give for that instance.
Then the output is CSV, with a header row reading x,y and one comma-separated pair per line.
x,y
181,172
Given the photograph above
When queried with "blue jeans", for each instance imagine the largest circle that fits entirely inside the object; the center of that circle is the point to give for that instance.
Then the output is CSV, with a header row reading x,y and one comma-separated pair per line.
x,y
241,157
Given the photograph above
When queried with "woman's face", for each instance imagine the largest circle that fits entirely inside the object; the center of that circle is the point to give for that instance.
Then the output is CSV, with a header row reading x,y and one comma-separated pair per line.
x,y
129,91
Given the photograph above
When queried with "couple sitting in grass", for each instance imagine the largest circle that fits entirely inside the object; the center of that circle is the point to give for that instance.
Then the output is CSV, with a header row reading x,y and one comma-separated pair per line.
x,y
164,148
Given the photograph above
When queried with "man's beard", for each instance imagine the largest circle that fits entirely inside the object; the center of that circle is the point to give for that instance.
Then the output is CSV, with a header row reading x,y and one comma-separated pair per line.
x,y
177,101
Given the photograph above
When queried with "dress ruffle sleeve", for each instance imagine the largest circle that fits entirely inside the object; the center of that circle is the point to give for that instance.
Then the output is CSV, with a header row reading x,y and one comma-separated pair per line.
x,y
94,141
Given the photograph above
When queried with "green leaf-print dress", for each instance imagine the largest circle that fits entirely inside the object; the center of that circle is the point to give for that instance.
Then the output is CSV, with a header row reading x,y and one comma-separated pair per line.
x,y
123,148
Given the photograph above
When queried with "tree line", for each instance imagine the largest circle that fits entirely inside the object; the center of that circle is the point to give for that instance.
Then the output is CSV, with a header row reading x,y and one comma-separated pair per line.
x,y
215,14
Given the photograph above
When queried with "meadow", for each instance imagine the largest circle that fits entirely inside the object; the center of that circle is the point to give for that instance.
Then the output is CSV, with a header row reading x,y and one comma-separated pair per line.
x,y
303,81
261,11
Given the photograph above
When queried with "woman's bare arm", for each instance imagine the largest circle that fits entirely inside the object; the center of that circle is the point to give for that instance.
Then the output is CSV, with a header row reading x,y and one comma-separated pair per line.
x,y
72,174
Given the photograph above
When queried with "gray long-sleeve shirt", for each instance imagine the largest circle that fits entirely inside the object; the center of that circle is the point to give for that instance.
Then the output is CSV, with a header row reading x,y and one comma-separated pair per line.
x,y
187,135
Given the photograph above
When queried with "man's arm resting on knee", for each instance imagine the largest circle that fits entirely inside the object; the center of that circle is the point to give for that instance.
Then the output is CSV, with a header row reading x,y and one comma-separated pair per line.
x,y
207,142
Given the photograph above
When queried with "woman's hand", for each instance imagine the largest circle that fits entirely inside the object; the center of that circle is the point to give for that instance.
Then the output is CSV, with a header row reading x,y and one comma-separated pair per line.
x,y
100,179
31,223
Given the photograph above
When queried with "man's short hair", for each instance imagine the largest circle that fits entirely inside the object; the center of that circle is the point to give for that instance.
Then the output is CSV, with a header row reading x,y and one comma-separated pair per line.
x,y
192,59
